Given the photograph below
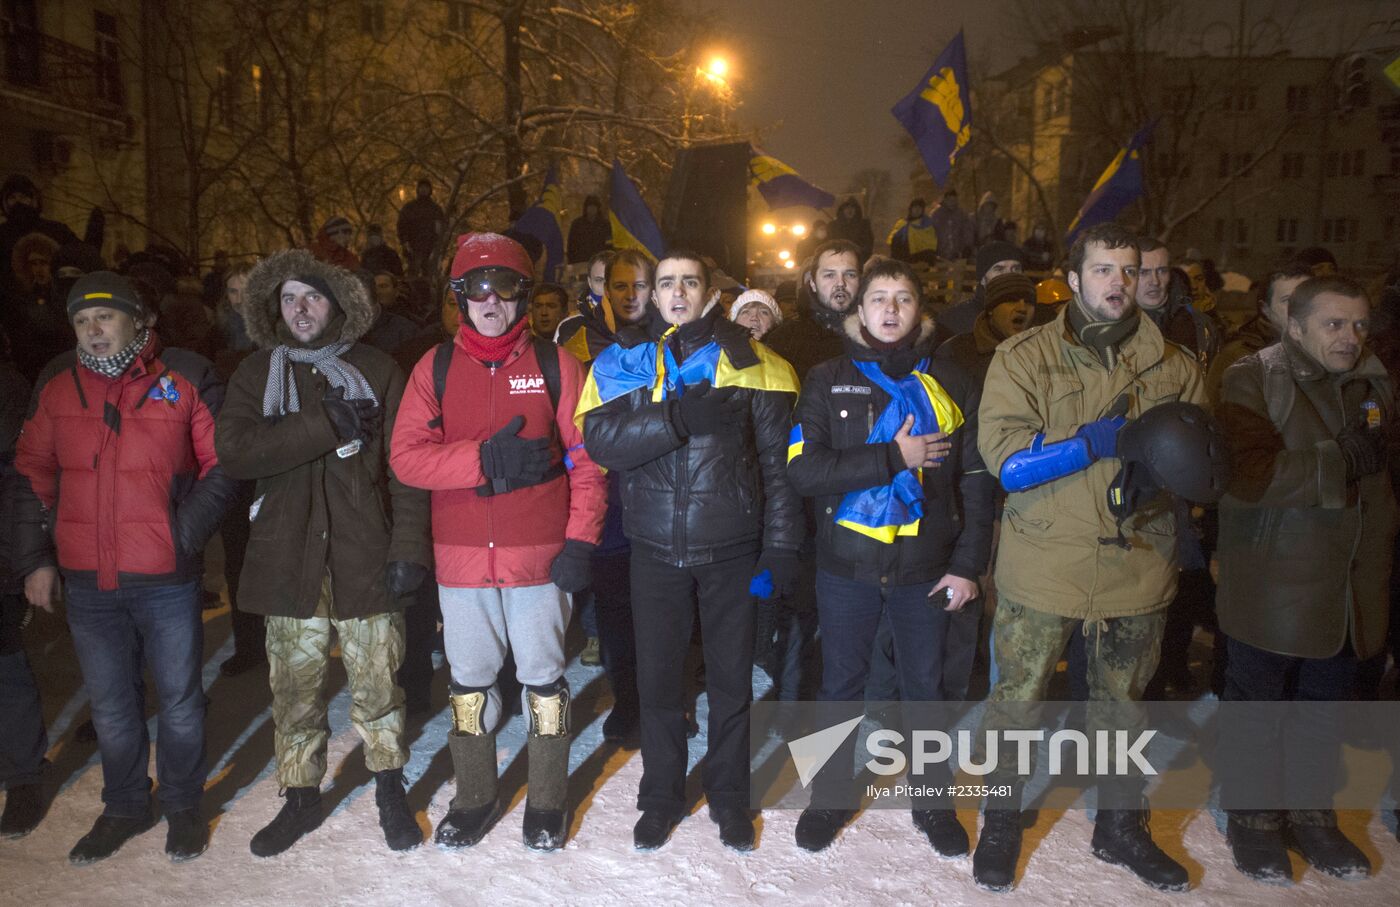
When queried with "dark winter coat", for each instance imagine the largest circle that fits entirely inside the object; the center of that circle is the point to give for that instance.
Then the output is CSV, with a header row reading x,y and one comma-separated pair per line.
x,y
315,512
420,223
708,498
838,407
960,317
589,237
127,484
1255,334
972,352
855,228
1183,325
381,260
1304,555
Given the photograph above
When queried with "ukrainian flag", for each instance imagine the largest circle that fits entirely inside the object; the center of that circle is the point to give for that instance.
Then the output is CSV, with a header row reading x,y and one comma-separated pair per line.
x,y
544,220
1119,186
780,185
938,112
888,511
633,226
619,371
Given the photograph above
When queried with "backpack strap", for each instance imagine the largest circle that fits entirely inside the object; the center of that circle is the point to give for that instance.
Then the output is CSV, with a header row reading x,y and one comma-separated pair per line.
x,y
442,361
547,354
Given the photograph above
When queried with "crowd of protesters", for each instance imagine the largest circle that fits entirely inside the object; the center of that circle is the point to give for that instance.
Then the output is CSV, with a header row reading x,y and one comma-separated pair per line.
x,y
870,499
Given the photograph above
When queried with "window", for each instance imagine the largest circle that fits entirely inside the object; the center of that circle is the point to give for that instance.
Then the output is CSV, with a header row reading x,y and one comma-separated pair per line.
x,y
1291,166
109,65
1241,232
1220,229
1177,97
1340,230
459,17
1297,98
1241,99
1230,164
262,97
1287,231
1171,163
1345,163
1358,164
372,17
1395,159
1223,168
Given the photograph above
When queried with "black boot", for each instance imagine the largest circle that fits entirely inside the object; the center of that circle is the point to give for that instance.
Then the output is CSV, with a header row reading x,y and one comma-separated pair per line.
x,y
735,827
817,828
300,815
1121,837
998,849
547,807
654,828
401,831
475,808
943,830
24,809
107,836
1314,834
1256,843
186,835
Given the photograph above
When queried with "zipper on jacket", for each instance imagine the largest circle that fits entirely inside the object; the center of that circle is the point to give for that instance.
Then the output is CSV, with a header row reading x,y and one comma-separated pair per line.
x,y
682,494
490,514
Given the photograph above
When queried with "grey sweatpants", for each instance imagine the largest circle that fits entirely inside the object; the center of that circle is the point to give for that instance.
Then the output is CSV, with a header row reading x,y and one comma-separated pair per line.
x,y
480,625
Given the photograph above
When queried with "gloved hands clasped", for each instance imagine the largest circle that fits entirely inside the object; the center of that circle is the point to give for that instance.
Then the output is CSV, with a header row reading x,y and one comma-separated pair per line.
x,y
707,410
404,577
572,570
775,574
1363,449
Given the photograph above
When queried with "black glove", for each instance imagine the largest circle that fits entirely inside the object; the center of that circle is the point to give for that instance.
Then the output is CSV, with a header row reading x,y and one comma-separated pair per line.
x,y
351,419
1363,449
781,565
572,570
706,410
404,577
505,455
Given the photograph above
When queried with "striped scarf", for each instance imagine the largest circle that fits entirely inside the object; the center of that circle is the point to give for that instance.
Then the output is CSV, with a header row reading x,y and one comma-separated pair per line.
x,y
115,365
281,398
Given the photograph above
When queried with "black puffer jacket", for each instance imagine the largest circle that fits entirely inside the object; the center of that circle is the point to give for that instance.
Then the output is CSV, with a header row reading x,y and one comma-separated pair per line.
x,y
838,407
708,498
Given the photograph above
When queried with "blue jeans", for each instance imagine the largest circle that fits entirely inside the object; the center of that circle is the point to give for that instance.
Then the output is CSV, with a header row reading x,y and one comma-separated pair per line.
x,y
850,614
112,630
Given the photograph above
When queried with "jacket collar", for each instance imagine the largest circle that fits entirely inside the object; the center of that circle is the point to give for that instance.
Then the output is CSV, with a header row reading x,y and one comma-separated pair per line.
x,y
1305,368
1144,349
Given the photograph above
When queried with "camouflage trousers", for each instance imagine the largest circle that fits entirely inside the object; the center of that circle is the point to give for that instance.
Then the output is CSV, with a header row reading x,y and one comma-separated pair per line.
x,y
1122,655
298,655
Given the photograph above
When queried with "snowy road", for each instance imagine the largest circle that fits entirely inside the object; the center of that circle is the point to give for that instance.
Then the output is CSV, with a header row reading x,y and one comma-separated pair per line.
x,y
879,859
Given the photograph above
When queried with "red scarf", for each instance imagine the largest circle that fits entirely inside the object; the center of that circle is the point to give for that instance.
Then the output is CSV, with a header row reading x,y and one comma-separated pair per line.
x,y
491,349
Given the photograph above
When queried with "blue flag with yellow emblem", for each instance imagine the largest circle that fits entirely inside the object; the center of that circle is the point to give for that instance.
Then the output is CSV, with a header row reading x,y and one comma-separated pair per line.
x,y
633,226
780,185
544,221
1119,186
938,112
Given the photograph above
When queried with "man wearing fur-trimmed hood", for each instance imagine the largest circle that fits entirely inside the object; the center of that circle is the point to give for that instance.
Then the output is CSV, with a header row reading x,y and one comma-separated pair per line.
x,y
886,442
336,541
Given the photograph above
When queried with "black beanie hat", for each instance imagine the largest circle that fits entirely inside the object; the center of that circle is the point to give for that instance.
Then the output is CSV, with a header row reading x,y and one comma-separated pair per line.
x,y
994,252
1008,288
103,288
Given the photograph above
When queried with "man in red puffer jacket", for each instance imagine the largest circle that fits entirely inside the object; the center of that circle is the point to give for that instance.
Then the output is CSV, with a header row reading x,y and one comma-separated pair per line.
x,y
486,424
119,490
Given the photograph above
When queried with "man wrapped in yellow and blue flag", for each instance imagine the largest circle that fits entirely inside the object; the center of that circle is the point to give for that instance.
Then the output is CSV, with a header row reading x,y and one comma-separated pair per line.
x,y
914,238
695,413
885,442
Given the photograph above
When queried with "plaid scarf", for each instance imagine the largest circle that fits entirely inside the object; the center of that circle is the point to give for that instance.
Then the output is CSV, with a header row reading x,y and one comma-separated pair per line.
x,y
281,398
115,365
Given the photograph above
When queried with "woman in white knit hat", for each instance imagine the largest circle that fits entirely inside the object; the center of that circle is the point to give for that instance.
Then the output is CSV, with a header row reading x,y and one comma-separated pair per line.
x,y
757,311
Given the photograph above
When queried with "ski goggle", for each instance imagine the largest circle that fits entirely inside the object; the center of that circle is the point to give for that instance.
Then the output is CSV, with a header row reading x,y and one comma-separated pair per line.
x,y
479,284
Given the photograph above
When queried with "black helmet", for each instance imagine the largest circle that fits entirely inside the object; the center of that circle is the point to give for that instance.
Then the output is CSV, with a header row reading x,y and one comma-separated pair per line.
x,y
1181,447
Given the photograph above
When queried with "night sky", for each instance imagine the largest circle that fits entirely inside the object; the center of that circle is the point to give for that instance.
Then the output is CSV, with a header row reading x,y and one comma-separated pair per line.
x,y
817,78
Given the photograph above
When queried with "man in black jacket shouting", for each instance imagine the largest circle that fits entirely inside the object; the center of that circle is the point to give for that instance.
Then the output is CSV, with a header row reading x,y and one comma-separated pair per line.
x,y
886,441
695,414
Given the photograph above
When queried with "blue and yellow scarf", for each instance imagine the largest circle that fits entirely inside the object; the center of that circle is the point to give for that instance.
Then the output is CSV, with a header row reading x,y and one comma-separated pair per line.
x,y
886,512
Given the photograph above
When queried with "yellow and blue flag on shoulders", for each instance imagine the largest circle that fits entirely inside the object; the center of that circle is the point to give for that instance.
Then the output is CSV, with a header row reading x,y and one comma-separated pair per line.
x,y
938,112
1119,186
919,235
780,185
886,512
544,221
620,370
633,226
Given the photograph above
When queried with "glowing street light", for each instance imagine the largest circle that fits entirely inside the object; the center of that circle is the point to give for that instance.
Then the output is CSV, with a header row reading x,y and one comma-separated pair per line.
x,y
719,67
785,255
789,264
769,229
799,229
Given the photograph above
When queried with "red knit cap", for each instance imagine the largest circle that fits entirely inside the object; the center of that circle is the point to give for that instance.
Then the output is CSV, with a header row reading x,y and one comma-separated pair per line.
x,y
490,250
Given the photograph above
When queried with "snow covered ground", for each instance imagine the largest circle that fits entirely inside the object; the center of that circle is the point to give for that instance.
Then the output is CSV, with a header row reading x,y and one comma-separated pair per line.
x,y
879,859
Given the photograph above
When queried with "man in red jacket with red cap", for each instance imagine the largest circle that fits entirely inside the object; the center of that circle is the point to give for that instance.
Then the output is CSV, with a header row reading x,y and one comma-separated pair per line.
x,y
486,425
